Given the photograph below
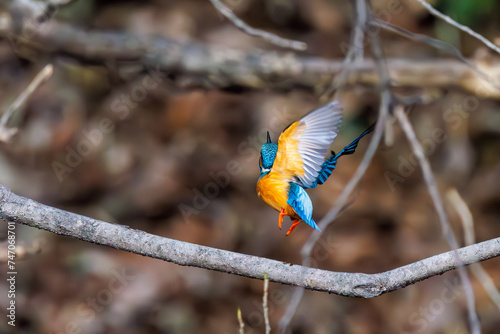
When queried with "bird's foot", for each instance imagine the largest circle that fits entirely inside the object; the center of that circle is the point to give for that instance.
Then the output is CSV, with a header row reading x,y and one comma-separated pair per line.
x,y
295,223
280,219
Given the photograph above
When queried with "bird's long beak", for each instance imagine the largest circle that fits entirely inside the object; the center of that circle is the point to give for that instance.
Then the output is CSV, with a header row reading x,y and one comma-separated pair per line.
x,y
268,137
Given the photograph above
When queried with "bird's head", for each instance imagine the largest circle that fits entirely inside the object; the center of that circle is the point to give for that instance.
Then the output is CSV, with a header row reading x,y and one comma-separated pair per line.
x,y
267,156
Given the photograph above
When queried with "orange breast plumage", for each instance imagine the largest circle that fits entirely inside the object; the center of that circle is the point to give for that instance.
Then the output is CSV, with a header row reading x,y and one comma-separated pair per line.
x,y
273,189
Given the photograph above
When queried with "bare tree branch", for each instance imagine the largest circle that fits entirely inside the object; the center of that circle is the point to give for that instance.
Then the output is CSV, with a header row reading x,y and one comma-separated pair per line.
x,y
489,80
454,23
359,29
271,38
354,54
256,69
28,212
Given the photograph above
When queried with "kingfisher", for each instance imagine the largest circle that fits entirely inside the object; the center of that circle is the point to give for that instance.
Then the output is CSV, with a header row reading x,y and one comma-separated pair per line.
x,y
298,162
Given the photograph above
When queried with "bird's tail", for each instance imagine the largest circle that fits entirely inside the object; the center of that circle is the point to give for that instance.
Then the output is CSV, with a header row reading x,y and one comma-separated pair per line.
x,y
349,149
330,163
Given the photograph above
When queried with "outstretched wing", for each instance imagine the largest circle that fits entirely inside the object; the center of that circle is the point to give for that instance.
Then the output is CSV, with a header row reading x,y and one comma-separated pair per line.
x,y
302,147
330,163
301,203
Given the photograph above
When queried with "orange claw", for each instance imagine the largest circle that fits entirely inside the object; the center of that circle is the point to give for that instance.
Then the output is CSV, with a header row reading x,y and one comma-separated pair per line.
x,y
295,223
280,219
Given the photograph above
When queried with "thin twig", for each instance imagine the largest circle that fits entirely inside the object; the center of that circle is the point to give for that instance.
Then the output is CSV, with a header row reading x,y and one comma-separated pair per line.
x,y
353,182
370,152
355,54
6,133
443,218
468,225
389,132
290,310
272,38
339,79
265,306
488,80
240,321
385,78
25,211
462,27
463,211
359,30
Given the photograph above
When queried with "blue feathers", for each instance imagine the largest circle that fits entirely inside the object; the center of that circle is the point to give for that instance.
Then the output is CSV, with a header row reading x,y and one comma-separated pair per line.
x,y
330,163
301,203
267,156
349,149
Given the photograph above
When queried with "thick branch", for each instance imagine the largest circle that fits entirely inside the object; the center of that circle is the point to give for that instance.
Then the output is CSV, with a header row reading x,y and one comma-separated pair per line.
x,y
257,69
26,211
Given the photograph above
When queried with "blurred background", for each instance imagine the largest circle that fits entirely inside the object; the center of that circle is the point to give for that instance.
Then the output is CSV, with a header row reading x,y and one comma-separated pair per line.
x,y
137,149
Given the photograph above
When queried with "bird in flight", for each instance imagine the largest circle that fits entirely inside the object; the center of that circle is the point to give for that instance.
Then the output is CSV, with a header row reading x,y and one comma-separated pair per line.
x,y
298,162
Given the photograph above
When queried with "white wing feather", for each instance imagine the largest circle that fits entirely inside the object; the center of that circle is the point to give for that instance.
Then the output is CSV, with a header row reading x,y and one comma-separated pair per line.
x,y
321,127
